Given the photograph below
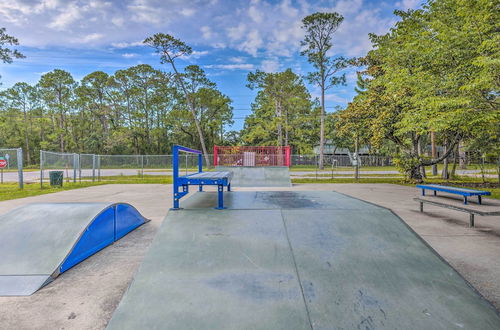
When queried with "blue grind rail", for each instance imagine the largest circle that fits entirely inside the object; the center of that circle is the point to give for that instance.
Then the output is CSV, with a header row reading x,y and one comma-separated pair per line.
x,y
465,192
219,179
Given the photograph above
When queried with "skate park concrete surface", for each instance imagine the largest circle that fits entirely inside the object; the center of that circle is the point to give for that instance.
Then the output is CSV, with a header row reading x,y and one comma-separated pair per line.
x,y
86,296
295,260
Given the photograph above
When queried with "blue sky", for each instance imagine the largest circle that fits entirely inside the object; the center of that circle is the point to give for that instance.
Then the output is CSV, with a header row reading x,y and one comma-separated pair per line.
x,y
229,37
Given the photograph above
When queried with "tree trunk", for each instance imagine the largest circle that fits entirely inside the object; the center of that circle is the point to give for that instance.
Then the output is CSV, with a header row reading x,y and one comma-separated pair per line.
x,y
433,152
445,173
463,157
280,129
455,161
420,153
322,128
286,127
193,111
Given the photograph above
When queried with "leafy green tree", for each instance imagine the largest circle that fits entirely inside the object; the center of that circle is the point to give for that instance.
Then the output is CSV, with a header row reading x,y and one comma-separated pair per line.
x,y
433,72
170,48
25,99
57,88
7,55
320,28
282,111
212,109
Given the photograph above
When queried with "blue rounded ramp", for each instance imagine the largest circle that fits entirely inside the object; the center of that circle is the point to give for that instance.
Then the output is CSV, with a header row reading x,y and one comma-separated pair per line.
x,y
40,241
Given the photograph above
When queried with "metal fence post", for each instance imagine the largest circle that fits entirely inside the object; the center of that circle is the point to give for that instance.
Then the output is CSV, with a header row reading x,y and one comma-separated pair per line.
x,y
98,167
41,169
142,166
93,167
75,164
20,168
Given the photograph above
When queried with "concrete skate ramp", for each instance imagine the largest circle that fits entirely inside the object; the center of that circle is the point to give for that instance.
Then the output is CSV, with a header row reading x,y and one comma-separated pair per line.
x,y
246,176
295,260
40,241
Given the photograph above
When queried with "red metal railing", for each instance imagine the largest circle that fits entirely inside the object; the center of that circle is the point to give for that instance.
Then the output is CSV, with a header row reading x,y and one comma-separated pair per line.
x,y
251,156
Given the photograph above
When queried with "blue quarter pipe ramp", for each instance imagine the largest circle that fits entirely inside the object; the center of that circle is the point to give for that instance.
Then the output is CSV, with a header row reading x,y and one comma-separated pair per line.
x,y
40,241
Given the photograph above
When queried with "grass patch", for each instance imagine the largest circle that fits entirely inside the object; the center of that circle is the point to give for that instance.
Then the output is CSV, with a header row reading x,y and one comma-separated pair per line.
x,y
12,191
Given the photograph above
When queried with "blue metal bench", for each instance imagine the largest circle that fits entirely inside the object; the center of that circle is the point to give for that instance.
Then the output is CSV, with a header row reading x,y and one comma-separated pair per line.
x,y
465,192
200,179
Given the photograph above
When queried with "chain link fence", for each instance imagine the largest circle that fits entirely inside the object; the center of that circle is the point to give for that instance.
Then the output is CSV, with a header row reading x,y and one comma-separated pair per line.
x,y
11,166
68,163
93,167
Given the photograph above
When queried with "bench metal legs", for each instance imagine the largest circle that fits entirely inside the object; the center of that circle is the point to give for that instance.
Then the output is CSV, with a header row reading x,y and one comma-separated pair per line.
x,y
465,200
220,197
479,199
471,220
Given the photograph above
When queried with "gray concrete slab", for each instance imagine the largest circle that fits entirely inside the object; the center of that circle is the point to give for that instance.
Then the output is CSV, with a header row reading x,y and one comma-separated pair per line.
x,y
367,270
215,270
250,176
356,267
276,200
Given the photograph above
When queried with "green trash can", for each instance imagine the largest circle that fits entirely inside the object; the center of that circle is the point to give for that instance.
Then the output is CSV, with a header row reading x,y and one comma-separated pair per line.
x,y
56,178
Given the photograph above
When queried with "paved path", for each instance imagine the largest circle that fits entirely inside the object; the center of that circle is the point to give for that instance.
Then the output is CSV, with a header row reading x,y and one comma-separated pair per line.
x,y
34,176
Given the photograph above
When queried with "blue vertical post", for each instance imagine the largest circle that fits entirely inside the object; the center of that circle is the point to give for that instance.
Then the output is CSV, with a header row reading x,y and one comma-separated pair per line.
x,y
175,174
220,197
200,169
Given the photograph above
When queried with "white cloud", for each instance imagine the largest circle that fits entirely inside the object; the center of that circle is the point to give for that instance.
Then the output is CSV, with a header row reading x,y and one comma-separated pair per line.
x,y
271,65
126,44
257,27
206,32
69,15
241,66
194,55
188,12
237,59
91,37
130,55
236,32
118,21
409,4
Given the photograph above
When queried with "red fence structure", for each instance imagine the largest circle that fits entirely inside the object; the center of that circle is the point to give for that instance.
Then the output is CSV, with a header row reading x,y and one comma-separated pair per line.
x,y
251,156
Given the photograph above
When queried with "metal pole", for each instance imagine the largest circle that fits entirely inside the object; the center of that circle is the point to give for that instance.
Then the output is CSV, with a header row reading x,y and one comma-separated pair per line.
x,y
20,168
142,166
41,169
75,165
80,168
356,170
98,167
93,167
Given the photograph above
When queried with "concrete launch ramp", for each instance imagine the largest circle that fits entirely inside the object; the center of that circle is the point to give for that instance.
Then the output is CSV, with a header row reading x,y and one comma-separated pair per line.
x,y
40,241
249,176
295,260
